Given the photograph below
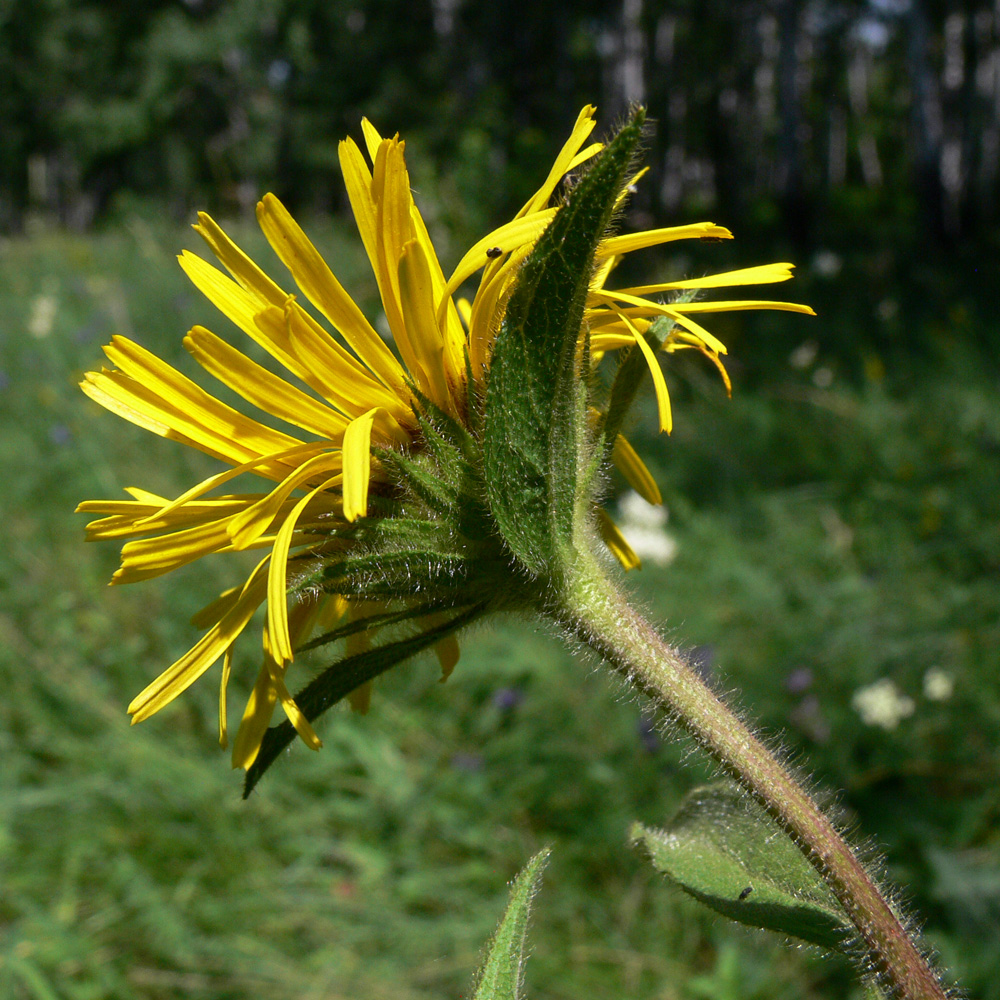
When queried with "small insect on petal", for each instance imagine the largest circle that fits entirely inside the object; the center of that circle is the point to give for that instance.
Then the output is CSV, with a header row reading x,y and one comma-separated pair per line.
x,y
494,252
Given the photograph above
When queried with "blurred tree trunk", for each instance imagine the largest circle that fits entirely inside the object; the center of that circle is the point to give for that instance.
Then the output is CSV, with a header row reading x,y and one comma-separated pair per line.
x,y
795,206
925,125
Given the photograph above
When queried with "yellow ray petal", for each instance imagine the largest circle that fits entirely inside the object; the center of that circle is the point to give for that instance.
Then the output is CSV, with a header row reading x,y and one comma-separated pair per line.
x,y
629,187
634,470
197,410
314,277
448,320
704,307
247,526
682,319
357,466
229,297
216,610
104,389
417,299
277,578
391,192
585,154
613,340
256,718
358,182
645,307
262,388
615,541
331,370
292,337
276,672
238,264
372,138
603,272
654,237
275,465
227,669
763,275
581,130
130,399
185,671
145,520
662,397
147,558
488,306
511,236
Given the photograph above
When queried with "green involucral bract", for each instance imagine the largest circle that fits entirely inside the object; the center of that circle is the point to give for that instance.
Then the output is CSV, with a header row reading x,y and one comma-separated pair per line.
x,y
537,443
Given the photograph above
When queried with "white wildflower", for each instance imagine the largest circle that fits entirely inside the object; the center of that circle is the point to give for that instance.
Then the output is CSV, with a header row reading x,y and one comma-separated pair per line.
x,y
939,685
881,704
642,524
43,313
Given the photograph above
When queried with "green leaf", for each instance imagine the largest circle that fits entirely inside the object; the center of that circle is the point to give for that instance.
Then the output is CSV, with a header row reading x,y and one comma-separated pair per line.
x,y
535,397
727,852
342,677
501,975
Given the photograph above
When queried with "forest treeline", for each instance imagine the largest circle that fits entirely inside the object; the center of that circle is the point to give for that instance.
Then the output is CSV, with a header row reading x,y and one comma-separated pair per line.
x,y
827,121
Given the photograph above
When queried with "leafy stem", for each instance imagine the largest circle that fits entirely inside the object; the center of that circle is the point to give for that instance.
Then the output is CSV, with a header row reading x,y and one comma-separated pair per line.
x,y
593,610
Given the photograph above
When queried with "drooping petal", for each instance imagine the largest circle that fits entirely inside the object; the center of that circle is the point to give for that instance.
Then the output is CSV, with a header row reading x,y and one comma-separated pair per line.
x,y
227,669
185,671
662,397
645,307
357,466
246,527
276,669
616,542
277,578
634,470
256,718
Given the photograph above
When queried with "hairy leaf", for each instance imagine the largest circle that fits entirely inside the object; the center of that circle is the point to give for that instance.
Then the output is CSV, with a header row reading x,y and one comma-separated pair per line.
x,y
501,975
727,852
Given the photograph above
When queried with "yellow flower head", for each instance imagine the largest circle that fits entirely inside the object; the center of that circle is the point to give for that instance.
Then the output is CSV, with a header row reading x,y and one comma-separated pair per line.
x,y
361,409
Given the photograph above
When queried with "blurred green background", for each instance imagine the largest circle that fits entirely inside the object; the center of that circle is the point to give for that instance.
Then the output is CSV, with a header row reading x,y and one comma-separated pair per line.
x,y
834,525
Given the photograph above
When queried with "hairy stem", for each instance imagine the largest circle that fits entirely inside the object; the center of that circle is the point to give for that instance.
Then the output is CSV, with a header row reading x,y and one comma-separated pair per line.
x,y
595,612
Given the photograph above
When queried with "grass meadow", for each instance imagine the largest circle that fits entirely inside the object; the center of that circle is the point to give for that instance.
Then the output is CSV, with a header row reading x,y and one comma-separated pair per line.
x,y
829,532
